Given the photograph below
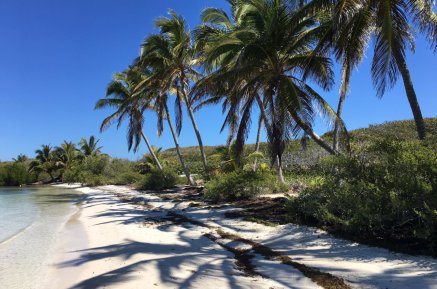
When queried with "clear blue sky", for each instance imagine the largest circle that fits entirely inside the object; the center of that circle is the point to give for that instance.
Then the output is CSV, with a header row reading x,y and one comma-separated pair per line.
x,y
56,58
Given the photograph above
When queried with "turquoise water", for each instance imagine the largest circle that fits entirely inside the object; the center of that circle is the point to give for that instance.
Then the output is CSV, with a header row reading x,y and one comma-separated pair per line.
x,y
17,211
30,221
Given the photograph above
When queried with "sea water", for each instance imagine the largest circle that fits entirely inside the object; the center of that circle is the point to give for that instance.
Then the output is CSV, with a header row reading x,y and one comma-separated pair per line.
x,y
30,222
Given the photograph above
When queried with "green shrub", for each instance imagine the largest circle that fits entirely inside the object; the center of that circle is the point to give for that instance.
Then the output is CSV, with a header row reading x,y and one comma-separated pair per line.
x,y
128,178
157,180
242,185
388,191
15,174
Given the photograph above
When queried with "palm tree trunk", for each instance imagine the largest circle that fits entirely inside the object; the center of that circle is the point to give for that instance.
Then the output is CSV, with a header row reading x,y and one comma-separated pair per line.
x,y
309,131
258,136
279,170
270,131
411,95
152,153
343,91
175,138
193,121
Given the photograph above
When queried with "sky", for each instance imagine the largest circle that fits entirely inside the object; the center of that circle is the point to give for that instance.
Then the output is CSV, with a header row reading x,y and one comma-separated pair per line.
x,y
57,57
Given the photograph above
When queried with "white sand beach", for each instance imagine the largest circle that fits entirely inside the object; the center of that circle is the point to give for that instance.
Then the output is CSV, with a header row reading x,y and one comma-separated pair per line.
x,y
112,243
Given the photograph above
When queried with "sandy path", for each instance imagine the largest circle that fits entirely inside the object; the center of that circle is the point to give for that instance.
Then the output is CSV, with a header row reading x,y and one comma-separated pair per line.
x,y
361,266
109,245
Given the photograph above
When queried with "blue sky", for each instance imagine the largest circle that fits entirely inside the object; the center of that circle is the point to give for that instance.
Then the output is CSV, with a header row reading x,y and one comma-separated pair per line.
x,y
56,58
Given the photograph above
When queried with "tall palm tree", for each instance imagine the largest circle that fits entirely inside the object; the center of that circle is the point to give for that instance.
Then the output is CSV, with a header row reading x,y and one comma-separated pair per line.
x,y
89,147
164,113
121,95
64,155
172,51
265,60
44,162
354,23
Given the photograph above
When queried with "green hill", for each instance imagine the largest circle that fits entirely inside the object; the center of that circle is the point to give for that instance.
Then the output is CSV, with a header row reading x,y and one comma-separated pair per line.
x,y
296,157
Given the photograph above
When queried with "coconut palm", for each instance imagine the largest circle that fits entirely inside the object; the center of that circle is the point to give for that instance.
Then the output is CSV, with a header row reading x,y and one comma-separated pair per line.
x,y
64,156
265,60
21,158
354,23
44,162
158,99
89,147
171,50
120,95
163,112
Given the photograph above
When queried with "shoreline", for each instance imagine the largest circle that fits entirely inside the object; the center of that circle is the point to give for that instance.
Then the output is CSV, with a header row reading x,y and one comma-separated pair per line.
x,y
71,233
137,240
25,256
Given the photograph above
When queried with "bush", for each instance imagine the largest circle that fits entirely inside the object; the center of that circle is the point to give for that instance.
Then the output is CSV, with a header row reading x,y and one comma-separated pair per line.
x,y
242,185
157,180
387,192
128,178
15,174
101,170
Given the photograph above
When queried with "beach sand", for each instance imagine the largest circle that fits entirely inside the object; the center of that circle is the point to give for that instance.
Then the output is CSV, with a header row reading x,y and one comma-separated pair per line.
x,y
112,243
107,245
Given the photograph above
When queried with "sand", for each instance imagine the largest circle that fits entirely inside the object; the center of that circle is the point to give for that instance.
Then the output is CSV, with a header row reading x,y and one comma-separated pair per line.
x,y
115,244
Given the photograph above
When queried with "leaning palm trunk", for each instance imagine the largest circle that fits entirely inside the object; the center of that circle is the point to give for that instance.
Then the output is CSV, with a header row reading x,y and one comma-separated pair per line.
x,y
411,95
346,74
309,131
196,129
258,136
175,138
152,153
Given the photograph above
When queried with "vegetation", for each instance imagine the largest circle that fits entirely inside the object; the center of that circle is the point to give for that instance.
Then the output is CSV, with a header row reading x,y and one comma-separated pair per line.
x,y
158,180
242,184
15,174
387,191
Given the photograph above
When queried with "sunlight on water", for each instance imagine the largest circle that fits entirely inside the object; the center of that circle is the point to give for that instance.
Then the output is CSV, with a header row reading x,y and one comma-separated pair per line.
x,y
30,219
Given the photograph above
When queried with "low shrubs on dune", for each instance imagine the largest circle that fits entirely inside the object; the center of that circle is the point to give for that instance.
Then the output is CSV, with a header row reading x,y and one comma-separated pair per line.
x,y
388,192
242,184
128,178
158,180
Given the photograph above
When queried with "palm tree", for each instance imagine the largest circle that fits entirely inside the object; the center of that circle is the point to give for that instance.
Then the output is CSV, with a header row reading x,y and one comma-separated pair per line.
x,y
89,147
258,141
21,158
354,23
120,95
64,156
264,60
171,50
44,162
163,112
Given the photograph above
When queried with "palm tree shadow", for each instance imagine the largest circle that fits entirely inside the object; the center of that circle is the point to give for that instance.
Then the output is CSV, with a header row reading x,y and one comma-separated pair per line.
x,y
179,265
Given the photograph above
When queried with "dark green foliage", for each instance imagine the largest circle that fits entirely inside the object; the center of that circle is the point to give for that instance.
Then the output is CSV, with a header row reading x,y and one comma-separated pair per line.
x,y
15,174
242,185
128,178
157,180
386,192
98,170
